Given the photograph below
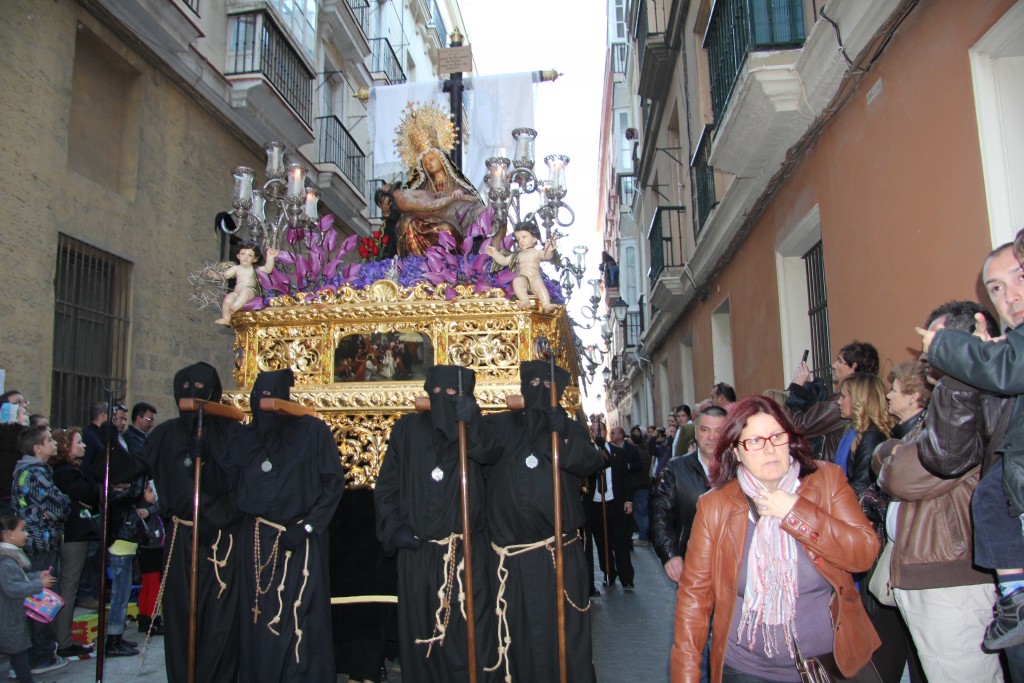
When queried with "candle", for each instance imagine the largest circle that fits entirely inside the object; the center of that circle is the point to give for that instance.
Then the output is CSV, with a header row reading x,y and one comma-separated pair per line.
x,y
312,198
524,155
296,182
556,172
275,159
243,184
259,200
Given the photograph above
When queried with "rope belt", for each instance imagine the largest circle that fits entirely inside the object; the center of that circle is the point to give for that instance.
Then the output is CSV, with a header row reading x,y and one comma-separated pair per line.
x,y
452,573
218,564
501,605
272,563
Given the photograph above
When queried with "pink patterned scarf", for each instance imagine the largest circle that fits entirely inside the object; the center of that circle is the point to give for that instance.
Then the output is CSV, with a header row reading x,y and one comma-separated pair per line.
x,y
769,599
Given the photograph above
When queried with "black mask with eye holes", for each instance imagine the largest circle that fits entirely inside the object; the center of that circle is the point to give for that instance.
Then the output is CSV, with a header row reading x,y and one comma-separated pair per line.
x,y
272,384
199,380
442,404
537,398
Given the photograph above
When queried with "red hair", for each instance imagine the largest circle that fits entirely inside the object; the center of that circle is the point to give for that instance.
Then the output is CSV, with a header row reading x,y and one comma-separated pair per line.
x,y
723,470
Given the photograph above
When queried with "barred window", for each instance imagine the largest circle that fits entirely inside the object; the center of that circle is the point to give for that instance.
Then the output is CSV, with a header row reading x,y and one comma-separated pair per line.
x,y
90,328
817,300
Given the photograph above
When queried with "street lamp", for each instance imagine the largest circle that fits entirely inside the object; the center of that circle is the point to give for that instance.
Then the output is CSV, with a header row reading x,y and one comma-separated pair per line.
x,y
619,310
607,372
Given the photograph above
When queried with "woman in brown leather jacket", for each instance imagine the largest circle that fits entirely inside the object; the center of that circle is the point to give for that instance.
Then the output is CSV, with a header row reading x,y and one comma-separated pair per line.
x,y
945,601
770,556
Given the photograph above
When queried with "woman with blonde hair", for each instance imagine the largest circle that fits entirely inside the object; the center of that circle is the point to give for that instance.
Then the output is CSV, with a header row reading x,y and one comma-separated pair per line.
x,y
862,401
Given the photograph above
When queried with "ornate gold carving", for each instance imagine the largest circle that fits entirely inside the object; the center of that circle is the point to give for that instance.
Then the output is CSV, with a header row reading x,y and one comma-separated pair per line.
x,y
480,330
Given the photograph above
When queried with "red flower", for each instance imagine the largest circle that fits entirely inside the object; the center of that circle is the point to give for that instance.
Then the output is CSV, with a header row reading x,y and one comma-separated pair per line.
x,y
385,239
376,234
375,250
363,252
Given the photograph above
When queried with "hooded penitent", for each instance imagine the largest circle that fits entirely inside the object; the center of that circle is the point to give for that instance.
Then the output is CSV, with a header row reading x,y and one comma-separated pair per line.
x,y
199,380
442,404
537,398
272,384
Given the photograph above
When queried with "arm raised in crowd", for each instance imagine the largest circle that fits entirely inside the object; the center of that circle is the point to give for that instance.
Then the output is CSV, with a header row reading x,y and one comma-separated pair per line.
x,y
995,367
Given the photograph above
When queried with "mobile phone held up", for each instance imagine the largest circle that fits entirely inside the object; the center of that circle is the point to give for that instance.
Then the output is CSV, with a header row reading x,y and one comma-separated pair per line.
x,y
807,353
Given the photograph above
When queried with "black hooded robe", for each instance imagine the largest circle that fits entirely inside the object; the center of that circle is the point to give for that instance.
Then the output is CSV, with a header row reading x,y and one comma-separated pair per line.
x,y
408,494
167,453
287,472
520,511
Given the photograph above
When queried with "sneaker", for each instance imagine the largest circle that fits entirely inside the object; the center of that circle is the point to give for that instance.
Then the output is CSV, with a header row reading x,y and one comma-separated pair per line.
x,y
57,662
1007,629
628,587
74,650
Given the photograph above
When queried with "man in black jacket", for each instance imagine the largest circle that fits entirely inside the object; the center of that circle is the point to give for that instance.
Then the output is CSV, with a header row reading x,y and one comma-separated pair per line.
x,y
684,480
613,500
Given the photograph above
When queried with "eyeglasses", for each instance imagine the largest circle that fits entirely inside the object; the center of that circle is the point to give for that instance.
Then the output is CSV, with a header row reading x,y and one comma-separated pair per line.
x,y
757,443
147,419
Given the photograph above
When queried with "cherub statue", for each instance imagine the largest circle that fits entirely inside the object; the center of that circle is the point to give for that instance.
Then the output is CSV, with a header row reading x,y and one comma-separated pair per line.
x,y
247,285
526,262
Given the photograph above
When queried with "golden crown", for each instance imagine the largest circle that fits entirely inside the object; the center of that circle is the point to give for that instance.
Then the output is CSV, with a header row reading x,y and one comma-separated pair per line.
x,y
423,126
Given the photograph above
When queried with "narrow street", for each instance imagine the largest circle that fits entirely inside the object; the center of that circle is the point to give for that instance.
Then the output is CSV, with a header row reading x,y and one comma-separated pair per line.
x,y
633,631
632,636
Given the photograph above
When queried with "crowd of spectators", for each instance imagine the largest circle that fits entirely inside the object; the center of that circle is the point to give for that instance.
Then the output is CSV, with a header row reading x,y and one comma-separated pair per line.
x,y
51,482
932,452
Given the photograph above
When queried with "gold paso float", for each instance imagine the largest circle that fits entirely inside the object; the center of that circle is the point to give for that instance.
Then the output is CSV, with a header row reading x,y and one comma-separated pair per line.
x,y
314,334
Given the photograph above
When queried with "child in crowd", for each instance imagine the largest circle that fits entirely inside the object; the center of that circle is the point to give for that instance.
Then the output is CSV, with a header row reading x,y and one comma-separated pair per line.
x,y
15,585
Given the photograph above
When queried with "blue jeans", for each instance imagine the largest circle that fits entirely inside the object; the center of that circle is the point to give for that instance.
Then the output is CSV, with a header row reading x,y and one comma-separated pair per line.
x,y
998,541
643,521
120,591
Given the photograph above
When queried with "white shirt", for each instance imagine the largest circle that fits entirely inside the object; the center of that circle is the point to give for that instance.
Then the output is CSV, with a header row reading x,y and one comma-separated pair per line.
x,y
607,482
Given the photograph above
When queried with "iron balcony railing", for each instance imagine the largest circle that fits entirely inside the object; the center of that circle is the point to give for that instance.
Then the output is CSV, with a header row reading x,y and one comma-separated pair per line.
x,y
620,52
737,27
339,148
438,23
703,181
667,240
361,8
257,46
192,5
634,323
385,61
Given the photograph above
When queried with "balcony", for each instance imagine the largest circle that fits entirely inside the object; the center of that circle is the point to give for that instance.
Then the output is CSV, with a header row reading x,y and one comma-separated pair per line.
x,y
437,33
633,327
656,56
667,240
348,27
271,86
620,57
384,64
753,46
168,28
342,167
337,146
703,181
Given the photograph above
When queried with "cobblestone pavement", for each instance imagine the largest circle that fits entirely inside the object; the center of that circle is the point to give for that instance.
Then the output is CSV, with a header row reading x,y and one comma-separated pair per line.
x,y
632,636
